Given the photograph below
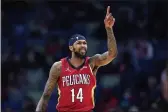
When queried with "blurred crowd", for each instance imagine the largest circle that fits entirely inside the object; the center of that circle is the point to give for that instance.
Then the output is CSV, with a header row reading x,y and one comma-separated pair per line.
x,y
35,35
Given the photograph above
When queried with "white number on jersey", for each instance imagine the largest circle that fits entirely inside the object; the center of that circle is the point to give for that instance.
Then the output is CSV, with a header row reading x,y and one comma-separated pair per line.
x,y
79,95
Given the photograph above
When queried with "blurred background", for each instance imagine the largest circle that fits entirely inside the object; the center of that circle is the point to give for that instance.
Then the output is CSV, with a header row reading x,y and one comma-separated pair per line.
x,y
35,35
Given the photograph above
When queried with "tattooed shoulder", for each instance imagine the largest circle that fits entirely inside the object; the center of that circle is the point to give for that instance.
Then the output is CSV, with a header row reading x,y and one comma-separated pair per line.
x,y
56,68
92,61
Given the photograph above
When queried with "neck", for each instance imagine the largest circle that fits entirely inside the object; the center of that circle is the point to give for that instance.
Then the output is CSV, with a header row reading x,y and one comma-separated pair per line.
x,y
75,61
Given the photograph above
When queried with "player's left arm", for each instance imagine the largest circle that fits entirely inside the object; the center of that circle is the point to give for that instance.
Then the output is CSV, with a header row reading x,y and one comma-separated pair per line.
x,y
105,58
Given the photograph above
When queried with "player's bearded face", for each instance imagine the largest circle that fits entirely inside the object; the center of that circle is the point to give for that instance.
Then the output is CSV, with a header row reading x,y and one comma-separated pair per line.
x,y
80,50
80,53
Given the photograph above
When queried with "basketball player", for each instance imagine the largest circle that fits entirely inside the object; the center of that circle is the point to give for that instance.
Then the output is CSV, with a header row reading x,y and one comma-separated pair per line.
x,y
75,76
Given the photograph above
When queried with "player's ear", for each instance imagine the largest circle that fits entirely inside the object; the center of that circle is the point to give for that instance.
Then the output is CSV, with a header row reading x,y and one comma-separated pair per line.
x,y
70,48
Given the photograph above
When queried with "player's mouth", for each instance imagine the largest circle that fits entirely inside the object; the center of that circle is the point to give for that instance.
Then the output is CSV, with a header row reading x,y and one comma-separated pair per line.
x,y
83,50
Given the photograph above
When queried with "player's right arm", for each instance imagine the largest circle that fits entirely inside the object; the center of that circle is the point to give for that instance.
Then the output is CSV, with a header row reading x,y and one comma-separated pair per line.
x,y
49,87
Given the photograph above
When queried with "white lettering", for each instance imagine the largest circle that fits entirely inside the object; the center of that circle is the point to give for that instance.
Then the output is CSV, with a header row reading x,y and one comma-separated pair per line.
x,y
84,78
63,81
67,80
88,79
80,79
76,79
71,81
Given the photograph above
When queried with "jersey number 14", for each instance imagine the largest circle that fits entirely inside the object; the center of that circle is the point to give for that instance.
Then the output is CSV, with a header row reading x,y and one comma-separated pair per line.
x,y
79,95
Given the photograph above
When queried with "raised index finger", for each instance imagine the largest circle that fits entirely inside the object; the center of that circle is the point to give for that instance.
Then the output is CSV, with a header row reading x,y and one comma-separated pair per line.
x,y
108,10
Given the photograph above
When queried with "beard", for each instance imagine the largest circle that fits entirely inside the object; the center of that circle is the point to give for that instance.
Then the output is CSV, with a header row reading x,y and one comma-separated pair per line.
x,y
79,55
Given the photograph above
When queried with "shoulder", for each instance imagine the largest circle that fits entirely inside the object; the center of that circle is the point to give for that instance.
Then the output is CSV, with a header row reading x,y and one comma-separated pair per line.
x,y
56,69
92,60
57,64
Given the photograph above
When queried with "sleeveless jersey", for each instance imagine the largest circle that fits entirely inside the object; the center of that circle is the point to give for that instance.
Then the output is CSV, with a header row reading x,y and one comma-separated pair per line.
x,y
76,87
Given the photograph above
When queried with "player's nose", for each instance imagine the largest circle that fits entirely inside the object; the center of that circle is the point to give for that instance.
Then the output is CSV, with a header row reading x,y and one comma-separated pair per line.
x,y
83,46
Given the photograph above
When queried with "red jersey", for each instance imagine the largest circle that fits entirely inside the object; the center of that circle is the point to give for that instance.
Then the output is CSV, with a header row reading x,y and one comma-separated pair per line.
x,y
76,87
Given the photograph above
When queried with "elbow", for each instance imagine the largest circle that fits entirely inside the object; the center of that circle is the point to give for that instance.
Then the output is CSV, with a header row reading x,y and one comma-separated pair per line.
x,y
113,54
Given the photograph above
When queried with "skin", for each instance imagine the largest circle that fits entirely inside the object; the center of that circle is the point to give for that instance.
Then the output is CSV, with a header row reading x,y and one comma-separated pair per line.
x,y
95,61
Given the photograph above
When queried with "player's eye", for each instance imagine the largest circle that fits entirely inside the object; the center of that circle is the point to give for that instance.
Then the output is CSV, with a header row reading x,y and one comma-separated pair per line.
x,y
79,43
84,43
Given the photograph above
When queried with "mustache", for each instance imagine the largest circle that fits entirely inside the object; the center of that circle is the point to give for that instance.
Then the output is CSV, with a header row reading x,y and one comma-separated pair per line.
x,y
83,48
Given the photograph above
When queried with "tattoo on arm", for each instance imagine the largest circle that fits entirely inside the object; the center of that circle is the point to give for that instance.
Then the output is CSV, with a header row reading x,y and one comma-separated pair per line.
x,y
49,87
111,42
107,57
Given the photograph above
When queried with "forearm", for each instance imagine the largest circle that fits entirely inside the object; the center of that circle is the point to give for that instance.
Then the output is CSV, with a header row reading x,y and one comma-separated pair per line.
x,y
111,42
43,103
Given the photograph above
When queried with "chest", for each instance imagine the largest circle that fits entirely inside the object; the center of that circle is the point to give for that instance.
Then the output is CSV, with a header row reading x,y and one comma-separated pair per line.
x,y
77,77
